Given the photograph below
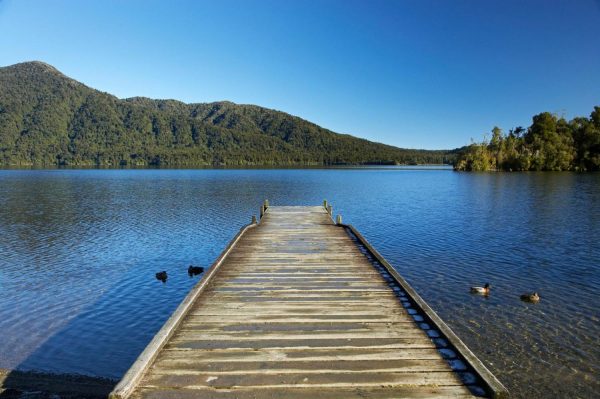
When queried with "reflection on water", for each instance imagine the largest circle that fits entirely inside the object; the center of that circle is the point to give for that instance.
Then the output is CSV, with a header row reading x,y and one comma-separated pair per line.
x,y
79,251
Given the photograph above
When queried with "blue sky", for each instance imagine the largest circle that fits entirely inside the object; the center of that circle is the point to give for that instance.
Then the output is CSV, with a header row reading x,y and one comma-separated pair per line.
x,y
417,74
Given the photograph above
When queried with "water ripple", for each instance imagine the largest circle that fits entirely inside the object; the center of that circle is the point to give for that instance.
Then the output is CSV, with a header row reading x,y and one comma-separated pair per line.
x,y
79,250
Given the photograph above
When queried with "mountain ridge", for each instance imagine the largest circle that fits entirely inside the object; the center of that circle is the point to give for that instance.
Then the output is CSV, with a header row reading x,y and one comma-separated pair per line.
x,y
48,118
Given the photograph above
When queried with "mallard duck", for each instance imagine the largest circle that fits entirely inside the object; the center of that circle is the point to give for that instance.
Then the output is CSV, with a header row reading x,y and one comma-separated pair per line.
x,y
485,290
533,297
195,270
162,276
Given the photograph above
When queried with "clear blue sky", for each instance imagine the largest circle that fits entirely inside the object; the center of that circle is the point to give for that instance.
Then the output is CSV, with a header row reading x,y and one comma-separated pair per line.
x,y
418,74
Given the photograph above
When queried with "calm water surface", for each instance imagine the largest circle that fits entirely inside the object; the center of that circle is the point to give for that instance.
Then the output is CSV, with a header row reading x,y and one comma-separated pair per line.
x,y
79,250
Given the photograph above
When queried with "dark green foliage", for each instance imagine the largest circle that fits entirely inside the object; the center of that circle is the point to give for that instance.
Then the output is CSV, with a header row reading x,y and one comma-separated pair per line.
x,y
48,119
550,143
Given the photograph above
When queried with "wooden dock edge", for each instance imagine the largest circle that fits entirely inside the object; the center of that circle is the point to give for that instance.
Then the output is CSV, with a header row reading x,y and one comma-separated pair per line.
x,y
493,385
137,370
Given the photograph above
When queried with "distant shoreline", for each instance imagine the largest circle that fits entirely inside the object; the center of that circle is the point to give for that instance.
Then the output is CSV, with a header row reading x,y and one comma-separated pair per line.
x,y
232,167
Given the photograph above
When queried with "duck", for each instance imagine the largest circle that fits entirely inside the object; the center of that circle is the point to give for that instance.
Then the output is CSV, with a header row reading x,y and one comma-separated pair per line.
x,y
485,290
533,297
195,270
162,276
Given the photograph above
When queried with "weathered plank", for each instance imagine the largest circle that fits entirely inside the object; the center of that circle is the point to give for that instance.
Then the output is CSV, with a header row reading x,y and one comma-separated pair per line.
x,y
160,377
292,354
296,310
383,392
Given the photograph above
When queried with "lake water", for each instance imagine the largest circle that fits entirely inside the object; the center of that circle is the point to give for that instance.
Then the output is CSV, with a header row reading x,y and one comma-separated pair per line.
x,y
79,250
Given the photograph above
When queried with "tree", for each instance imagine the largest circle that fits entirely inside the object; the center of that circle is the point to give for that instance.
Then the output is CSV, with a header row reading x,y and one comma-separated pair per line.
x,y
550,143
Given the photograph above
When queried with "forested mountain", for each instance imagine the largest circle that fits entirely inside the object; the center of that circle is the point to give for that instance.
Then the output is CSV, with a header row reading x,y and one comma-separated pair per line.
x,y
550,143
47,118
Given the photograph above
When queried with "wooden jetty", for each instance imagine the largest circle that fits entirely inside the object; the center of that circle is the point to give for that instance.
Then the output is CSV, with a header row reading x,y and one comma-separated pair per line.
x,y
298,306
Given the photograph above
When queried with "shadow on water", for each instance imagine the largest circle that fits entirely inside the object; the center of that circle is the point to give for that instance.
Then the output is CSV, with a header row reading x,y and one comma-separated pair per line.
x,y
20,384
68,366
33,378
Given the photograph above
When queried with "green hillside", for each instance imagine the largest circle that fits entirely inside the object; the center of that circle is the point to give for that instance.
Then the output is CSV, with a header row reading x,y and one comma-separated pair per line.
x,y
47,118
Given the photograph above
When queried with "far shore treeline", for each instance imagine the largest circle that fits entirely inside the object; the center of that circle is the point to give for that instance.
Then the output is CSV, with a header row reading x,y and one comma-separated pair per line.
x,y
550,143
48,119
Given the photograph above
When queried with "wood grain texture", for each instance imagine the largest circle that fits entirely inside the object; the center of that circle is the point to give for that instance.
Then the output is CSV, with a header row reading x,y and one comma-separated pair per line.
x,y
297,311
